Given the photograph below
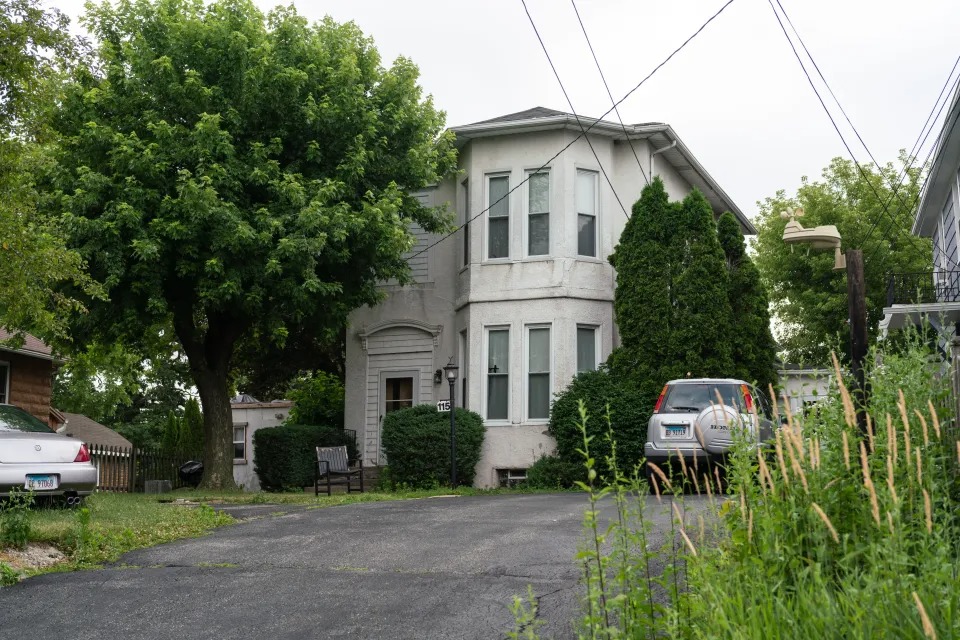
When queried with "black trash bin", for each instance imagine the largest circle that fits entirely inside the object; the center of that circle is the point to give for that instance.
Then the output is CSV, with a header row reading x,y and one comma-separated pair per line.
x,y
191,472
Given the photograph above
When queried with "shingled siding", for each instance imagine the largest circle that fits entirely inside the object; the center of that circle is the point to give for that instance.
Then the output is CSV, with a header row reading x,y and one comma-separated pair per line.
x,y
31,381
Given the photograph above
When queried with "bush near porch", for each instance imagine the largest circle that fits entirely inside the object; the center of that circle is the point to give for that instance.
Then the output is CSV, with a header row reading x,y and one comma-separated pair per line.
x,y
416,442
285,457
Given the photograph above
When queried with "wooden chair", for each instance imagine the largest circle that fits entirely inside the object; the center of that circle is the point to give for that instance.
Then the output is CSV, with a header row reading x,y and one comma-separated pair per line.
x,y
334,467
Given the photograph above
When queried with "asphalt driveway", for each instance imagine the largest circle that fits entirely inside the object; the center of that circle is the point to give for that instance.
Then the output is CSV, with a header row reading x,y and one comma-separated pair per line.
x,y
434,568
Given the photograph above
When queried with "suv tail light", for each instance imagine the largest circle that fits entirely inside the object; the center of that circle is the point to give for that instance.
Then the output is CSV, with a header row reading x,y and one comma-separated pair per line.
x,y
747,398
83,455
663,393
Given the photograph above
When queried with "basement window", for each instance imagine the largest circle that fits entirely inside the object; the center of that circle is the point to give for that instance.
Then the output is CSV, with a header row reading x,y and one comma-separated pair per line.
x,y
511,477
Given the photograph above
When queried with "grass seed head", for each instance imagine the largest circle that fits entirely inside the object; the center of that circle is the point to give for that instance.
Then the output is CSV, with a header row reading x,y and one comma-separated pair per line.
x,y
891,438
923,427
935,418
783,464
919,468
928,629
846,451
927,511
826,521
890,479
848,412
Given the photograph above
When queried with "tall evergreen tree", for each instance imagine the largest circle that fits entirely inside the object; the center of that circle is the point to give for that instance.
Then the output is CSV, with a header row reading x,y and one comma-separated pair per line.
x,y
754,349
642,300
172,433
700,341
191,432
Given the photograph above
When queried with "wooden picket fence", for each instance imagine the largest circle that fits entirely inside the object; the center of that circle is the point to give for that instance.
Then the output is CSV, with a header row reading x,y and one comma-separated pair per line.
x,y
124,470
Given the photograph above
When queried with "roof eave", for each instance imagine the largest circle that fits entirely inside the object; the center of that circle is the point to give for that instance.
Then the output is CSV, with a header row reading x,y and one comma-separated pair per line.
x,y
727,202
939,181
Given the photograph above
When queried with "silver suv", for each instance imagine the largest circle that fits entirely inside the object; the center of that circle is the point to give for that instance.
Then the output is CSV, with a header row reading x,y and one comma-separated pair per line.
x,y
698,417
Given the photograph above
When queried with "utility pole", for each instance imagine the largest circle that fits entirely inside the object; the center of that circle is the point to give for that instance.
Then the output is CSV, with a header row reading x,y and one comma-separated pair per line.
x,y
857,305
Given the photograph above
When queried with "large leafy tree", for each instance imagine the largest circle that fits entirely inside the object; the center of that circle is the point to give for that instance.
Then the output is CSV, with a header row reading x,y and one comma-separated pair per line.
x,y
124,390
753,348
35,49
874,214
236,175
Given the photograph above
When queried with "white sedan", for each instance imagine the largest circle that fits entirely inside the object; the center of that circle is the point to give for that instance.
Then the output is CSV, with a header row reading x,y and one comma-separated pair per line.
x,y
34,458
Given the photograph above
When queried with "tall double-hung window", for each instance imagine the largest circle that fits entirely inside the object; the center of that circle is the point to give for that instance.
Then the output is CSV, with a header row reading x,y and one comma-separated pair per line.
x,y
538,373
498,217
498,374
538,214
587,206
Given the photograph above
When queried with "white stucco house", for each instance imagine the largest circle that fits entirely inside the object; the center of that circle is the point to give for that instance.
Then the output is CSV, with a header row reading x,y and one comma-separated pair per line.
x,y
250,415
522,297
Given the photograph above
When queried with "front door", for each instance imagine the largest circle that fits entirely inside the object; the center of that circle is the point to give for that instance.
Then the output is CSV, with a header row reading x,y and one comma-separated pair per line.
x,y
398,390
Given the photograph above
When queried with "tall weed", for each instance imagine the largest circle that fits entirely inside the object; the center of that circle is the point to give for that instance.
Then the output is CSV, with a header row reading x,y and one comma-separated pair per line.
x,y
826,533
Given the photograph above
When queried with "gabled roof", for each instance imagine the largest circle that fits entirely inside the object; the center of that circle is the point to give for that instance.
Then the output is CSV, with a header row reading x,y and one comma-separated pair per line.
x,y
657,134
83,428
526,114
32,346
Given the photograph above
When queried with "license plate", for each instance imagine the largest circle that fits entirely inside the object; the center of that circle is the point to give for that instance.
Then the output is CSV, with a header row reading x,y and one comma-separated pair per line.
x,y
41,483
675,432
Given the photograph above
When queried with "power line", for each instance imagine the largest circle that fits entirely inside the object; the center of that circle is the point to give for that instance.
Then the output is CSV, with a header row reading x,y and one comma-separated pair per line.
x,y
574,111
917,145
944,134
609,93
595,122
832,121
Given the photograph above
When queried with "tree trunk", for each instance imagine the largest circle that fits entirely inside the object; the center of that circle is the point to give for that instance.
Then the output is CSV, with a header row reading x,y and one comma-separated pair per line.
x,y
217,428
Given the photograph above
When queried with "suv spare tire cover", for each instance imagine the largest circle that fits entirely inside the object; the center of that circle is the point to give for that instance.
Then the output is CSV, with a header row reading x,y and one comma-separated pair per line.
x,y
716,426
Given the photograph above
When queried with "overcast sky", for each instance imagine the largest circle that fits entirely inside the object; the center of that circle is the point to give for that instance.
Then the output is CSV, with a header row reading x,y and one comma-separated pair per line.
x,y
735,95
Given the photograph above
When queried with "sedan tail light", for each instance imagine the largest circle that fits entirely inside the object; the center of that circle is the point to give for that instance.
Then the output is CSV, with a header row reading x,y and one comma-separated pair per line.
x,y
83,455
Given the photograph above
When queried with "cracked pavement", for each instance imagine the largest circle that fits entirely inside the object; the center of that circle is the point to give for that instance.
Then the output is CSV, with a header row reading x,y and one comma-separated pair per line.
x,y
432,568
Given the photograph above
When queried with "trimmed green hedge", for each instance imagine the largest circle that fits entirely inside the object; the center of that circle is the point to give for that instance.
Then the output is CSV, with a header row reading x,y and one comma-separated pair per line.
x,y
285,457
553,472
416,442
630,411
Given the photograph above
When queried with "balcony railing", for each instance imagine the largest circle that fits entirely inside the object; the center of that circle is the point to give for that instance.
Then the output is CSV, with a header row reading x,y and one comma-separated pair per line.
x,y
925,287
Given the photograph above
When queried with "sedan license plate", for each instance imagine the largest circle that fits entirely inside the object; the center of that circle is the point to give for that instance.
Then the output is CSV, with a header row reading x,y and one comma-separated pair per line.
x,y
42,483
675,431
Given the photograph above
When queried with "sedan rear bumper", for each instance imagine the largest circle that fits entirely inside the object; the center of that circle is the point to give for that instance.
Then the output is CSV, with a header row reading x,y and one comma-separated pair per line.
x,y
73,477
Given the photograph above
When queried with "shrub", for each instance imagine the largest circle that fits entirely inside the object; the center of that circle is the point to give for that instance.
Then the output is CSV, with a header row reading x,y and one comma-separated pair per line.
x,y
629,412
15,520
317,400
285,457
553,472
416,442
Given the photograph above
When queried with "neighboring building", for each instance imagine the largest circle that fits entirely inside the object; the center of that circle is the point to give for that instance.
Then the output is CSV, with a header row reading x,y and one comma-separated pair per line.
x,y
26,378
92,432
803,386
110,450
934,296
249,415
522,297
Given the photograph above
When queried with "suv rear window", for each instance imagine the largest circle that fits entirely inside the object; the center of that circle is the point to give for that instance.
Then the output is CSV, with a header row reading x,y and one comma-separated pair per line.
x,y
693,397
14,419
